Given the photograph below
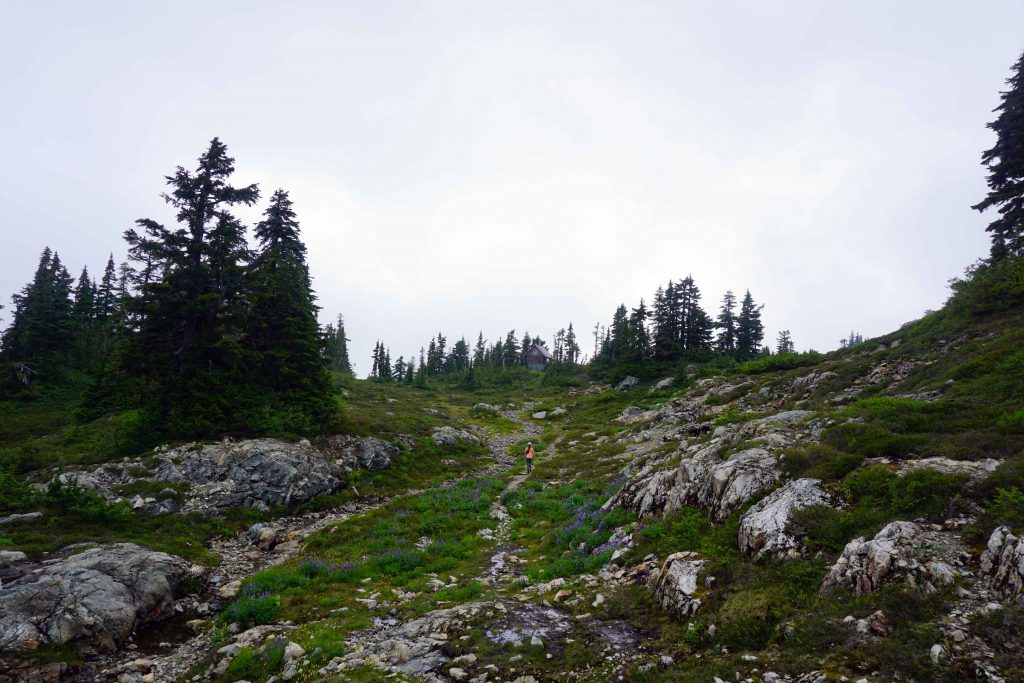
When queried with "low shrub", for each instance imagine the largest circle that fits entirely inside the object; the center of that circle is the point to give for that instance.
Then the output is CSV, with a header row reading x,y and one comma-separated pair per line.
x,y
253,606
871,440
819,461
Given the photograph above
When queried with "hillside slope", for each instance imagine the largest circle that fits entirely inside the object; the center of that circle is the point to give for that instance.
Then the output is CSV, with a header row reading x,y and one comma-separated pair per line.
x,y
855,516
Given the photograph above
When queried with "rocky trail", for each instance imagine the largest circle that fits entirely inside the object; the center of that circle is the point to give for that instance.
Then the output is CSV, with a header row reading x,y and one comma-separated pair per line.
x,y
149,657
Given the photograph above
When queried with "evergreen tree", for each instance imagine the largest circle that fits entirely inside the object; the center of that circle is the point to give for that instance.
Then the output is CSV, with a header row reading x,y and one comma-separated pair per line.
x,y
749,329
459,358
1005,164
337,351
639,342
526,345
190,308
480,351
572,347
784,343
41,331
398,372
281,329
510,352
726,324
106,296
619,343
666,320
85,299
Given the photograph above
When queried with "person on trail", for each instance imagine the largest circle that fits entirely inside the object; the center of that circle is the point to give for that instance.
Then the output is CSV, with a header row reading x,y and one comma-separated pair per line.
x,y
529,457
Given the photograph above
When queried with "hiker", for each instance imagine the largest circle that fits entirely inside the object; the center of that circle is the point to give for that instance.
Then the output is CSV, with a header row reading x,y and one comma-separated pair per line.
x,y
529,457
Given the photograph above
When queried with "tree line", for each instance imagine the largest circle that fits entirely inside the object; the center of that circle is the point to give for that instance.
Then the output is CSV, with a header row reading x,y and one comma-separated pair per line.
x,y
462,360
676,327
202,333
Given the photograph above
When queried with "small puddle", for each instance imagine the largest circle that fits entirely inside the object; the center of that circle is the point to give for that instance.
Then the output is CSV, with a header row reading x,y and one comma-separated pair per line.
x,y
171,632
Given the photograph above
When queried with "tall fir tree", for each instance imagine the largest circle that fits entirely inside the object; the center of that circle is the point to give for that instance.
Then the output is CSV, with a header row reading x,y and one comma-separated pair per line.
x,y
190,308
106,295
726,324
1005,164
282,331
749,328
784,343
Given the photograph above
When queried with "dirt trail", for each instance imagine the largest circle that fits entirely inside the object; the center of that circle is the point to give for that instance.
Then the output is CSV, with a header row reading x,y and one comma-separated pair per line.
x,y
240,558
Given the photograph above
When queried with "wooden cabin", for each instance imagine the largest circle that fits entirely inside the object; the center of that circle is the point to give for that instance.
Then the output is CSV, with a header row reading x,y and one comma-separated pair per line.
x,y
537,358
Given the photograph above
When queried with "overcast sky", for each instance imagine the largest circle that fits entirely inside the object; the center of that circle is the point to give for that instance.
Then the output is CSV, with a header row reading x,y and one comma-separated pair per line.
x,y
466,166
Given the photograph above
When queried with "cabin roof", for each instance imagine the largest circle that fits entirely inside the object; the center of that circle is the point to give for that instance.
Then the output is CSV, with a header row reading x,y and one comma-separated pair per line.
x,y
541,350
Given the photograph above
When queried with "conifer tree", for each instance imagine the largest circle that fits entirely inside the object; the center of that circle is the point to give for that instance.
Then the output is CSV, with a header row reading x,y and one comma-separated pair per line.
x,y
480,351
190,315
337,348
526,345
281,329
85,299
106,295
41,331
749,329
619,342
1005,164
572,347
510,352
639,342
784,343
726,324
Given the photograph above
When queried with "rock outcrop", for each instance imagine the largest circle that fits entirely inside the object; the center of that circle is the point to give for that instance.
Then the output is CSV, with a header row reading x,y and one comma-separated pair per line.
x,y
449,436
703,480
258,473
764,528
94,599
675,585
627,383
361,452
971,469
1002,564
902,551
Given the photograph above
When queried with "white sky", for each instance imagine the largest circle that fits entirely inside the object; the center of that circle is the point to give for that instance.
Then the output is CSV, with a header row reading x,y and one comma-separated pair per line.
x,y
465,166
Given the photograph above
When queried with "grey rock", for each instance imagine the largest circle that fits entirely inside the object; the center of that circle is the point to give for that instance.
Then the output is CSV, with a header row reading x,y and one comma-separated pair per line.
x,y
663,384
763,529
703,480
675,585
449,436
96,598
485,408
18,518
540,415
971,469
361,452
258,473
627,383
901,551
1002,564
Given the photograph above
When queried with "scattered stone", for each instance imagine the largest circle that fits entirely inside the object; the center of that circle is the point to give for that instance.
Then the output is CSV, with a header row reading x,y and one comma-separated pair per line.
x,y
485,408
539,415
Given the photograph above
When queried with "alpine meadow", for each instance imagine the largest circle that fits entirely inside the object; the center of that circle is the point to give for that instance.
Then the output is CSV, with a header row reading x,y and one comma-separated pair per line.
x,y
207,475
